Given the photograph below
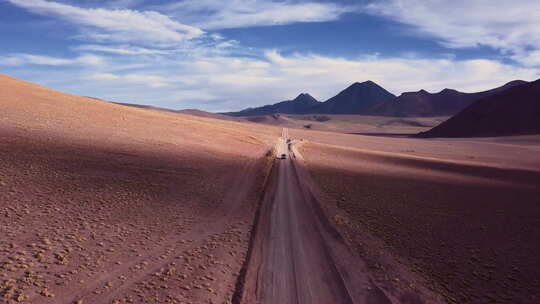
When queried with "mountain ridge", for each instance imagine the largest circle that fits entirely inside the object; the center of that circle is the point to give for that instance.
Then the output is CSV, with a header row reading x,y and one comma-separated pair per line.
x,y
301,103
369,98
514,111
422,103
355,99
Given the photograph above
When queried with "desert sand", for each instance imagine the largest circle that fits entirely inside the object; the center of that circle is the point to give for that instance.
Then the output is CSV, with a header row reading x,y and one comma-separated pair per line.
x,y
106,203
463,214
358,124
102,203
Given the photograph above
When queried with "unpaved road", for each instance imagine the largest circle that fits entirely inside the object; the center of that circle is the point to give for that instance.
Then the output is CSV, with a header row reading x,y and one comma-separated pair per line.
x,y
297,256
296,267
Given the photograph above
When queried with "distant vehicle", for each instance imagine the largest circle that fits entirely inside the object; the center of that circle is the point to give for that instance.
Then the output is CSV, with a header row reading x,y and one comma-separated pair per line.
x,y
283,156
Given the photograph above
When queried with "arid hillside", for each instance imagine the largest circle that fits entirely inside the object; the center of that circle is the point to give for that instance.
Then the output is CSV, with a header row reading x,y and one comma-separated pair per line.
x,y
462,213
106,203
359,124
515,111
102,203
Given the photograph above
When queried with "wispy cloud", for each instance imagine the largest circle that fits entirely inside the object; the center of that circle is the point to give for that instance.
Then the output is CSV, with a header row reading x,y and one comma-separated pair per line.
x,y
116,25
151,81
211,14
29,59
398,74
121,50
513,27
220,83
529,58
150,58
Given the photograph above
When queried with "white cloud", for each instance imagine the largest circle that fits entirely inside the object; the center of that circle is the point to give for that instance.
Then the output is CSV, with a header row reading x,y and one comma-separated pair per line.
x,y
116,25
150,81
329,75
510,26
121,50
222,83
166,67
528,58
194,95
122,3
29,59
217,82
211,14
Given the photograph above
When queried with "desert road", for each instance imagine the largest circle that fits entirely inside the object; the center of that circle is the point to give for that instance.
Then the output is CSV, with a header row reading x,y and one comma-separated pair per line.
x,y
295,250
296,265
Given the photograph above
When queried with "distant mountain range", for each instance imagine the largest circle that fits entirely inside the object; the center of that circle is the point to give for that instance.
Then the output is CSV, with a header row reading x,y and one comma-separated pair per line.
x,y
422,103
358,98
368,98
298,105
514,111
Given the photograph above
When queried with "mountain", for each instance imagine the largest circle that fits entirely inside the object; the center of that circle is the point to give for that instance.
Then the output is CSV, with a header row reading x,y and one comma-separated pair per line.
x,y
368,98
424,104
512,111
355,99
299,105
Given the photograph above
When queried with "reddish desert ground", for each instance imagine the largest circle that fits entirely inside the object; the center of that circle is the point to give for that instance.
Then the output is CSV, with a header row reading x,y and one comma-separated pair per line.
x,y
105,203
102,203
462,213
360,124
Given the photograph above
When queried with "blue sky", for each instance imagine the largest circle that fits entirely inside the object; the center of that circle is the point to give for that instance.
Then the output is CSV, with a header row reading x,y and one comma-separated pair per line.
x,y
228,55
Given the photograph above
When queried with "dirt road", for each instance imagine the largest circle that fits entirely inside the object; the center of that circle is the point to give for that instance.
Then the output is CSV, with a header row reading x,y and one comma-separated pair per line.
x,y
297,256
296,267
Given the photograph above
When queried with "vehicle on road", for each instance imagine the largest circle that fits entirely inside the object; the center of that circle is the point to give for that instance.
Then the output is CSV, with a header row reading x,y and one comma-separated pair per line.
x,y
283,156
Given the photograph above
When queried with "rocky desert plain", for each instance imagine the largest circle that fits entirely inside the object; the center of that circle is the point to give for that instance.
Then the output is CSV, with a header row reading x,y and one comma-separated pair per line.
x,y
108,203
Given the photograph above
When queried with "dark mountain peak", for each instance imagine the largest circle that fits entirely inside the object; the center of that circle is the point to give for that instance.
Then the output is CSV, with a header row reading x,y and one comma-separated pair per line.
x,y
361,88
368,98
514,83
509,85
355,99
367,82
514,111
423,92
365,88
444,103
363,85
305,97
450,92
300,105
412,94
447,90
